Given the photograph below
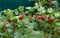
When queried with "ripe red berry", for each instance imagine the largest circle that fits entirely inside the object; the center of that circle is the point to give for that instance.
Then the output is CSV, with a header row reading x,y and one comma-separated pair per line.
x,y
37,18
43,17
9,20
50,19
22,16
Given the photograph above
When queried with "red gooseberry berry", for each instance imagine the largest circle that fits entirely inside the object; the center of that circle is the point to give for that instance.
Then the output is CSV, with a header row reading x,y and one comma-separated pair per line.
x,y
50,19
43,17
37,18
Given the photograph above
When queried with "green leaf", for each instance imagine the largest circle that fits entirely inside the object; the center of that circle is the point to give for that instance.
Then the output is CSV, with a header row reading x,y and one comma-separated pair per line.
x,y
4,34
21,8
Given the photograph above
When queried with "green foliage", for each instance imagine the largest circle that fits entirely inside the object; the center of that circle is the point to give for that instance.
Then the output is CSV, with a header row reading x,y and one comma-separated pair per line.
x,y
21,8
33,23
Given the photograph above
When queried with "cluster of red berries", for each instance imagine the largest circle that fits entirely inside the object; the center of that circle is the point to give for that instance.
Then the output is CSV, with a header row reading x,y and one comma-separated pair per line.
x,y
50,19
42,17
15,20
9,20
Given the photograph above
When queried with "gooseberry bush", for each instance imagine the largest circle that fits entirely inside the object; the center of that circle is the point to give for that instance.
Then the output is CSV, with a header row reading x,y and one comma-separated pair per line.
x,y
34,22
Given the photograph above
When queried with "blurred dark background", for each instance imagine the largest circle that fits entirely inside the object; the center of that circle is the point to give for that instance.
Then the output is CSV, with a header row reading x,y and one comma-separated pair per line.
x,y
13,4
59,2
